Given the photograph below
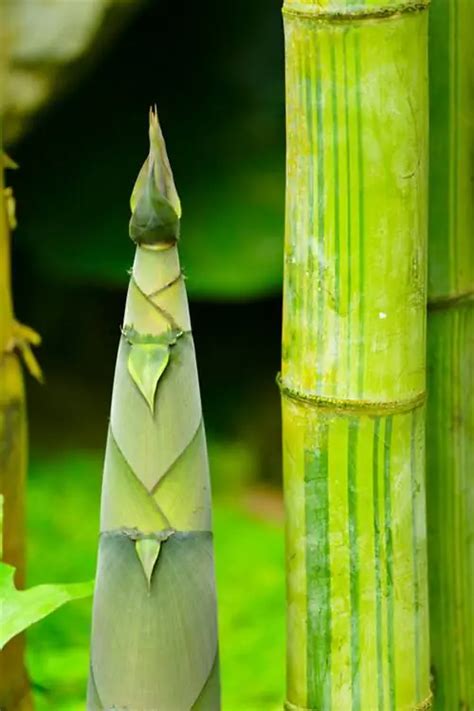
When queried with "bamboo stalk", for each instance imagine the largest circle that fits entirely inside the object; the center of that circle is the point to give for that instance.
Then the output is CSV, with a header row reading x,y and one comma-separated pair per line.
x,y
14,685
450,431
154,636
353,355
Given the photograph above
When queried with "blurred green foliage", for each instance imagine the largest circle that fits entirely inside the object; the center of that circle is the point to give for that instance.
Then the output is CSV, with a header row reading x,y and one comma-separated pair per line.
x,y
63,519
47,40
22,608
217,78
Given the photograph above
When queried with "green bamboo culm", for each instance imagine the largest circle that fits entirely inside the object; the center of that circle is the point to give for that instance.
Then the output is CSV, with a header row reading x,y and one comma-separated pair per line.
x,y
15,339
14,685
450,415
154,631
353,355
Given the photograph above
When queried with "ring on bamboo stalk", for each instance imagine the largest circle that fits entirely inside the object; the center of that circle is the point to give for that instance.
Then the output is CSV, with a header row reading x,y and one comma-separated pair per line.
x,y
304,10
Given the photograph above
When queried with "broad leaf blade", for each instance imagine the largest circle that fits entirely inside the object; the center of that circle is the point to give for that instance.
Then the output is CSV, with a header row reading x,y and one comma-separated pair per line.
x,y
21,608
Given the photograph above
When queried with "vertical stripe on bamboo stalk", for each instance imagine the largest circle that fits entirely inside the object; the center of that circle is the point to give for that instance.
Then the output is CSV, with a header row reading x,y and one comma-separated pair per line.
x,y
450,431
353,355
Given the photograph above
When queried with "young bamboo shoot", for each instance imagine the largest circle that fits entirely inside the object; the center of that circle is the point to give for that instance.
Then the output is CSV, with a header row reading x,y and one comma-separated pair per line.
x,y
154,636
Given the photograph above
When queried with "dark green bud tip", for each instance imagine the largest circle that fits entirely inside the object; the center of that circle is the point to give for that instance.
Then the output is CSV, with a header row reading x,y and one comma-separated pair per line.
x,y
156,209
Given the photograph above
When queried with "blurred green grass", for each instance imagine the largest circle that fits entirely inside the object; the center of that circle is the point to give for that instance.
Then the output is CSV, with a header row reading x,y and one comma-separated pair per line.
x,y
63,514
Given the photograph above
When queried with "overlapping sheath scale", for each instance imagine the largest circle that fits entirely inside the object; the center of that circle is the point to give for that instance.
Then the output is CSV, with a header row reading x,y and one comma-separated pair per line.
x,y
154,636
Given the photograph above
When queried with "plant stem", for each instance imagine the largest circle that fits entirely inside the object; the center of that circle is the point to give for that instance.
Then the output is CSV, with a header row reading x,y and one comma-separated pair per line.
x,y
154,637
450,431
353,355
14,686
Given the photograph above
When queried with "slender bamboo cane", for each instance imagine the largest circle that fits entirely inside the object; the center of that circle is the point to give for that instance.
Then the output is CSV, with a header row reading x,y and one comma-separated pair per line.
x,y
154,636
353,360
450,430
14,686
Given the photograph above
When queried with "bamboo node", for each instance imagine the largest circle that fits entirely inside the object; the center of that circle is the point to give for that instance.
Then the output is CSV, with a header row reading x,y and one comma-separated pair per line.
x,y
312,12
425,705
291,707
448,301
159,246
368,407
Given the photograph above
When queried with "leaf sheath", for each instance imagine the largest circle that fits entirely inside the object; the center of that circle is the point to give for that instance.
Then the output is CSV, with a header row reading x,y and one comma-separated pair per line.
x,y
154,636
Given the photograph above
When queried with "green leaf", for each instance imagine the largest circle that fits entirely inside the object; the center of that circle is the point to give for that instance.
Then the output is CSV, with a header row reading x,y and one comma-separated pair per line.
x,y
1,526
21,608
146,364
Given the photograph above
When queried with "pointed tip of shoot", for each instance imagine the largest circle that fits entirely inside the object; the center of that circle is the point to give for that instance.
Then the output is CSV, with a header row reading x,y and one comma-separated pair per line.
x,y
161,164
155,204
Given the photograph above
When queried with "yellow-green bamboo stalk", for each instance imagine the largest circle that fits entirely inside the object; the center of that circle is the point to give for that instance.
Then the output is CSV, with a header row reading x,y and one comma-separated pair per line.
x,y
154,637
14,685
450,430
353,361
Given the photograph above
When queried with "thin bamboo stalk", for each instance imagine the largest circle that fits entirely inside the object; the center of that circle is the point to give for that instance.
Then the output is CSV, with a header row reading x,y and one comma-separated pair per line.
x,y
14,685
154,636
450,430
353,355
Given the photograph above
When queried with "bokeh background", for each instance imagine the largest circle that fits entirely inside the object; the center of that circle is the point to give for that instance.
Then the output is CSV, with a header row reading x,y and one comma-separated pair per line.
x,y
80,86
